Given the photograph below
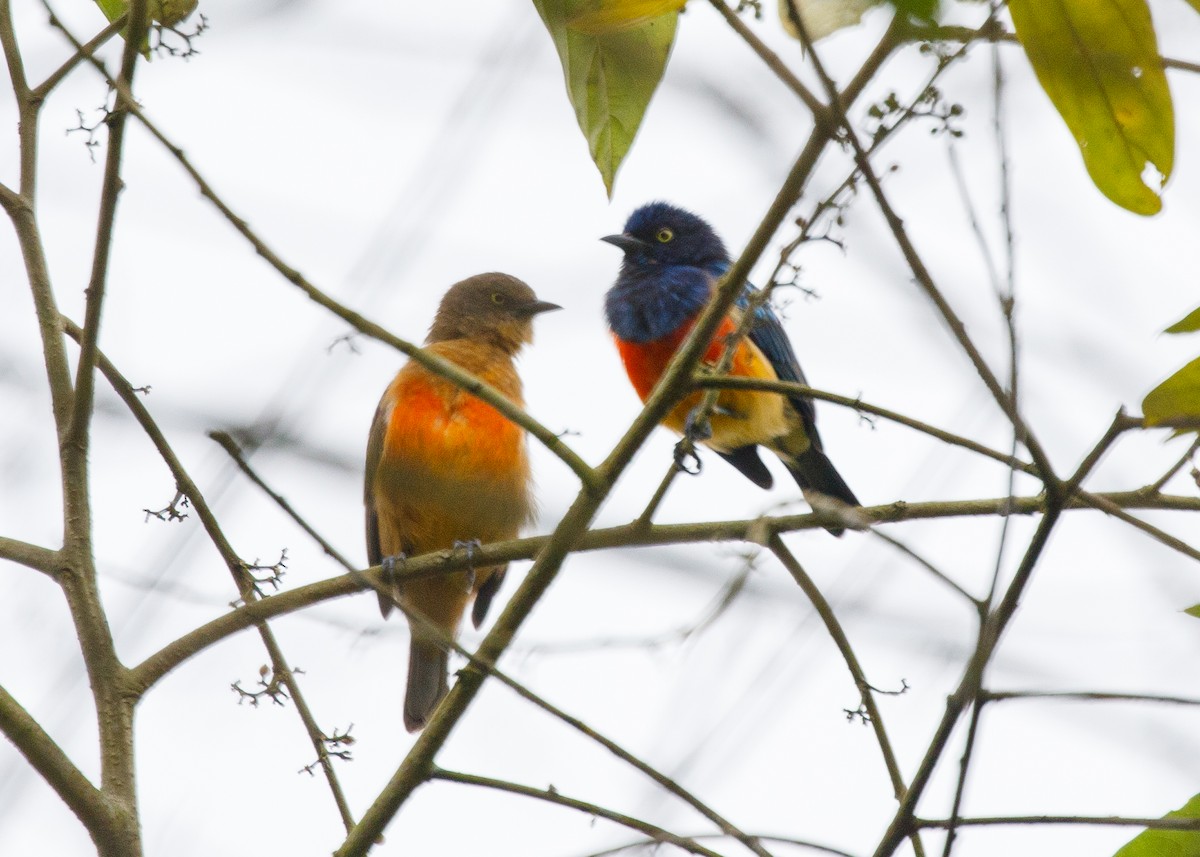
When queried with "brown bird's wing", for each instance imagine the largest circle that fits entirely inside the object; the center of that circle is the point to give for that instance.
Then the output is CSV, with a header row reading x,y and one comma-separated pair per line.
x,y
375,553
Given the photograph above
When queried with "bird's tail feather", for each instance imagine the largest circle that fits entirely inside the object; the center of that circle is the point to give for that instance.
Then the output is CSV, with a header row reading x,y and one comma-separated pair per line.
x,y
813,471
427,667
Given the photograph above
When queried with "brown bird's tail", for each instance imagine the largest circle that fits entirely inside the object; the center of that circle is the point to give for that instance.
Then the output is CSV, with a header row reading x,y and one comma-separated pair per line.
x,y
427,667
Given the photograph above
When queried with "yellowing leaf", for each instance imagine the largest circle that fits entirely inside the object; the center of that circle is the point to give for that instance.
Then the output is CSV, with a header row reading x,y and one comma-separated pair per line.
x,y
1189,322
823,17
617,16
1175,399
1167,843
1098,61
1195,4
610,76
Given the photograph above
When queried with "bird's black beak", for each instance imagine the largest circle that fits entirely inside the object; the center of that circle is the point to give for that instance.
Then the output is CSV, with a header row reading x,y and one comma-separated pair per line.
x,y
626,242
539,307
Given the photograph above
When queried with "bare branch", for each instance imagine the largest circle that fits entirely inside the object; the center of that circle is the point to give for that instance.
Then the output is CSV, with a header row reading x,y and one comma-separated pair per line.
x,y
45,756
84,52
1120,821
31,556
730,382
630,535
75,443
762,837
230,446
656,834
1084,696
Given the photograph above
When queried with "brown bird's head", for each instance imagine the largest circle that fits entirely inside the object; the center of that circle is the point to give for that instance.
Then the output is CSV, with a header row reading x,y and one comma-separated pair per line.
x,y
492,308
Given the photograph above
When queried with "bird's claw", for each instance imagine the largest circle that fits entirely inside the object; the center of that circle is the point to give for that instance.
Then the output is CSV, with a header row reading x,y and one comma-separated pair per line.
x,y
471,547
686,458
697,427
390,564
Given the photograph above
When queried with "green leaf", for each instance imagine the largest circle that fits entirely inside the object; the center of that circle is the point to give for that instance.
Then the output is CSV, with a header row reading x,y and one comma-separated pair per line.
x,y
1194,610
1167,843
617,16
1177,398
166,12
1189,322
610,76
1098,61
1195,4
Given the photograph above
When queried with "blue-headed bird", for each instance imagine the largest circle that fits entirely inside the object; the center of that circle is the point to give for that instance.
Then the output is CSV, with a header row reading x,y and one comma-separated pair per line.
x,y
673,259
445,468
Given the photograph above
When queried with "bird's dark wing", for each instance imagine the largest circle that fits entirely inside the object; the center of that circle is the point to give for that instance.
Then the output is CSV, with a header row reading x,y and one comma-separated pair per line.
x,y
768,334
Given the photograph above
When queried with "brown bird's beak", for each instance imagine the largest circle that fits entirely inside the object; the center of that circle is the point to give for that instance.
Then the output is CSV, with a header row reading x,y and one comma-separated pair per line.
x,y
539,307
626,242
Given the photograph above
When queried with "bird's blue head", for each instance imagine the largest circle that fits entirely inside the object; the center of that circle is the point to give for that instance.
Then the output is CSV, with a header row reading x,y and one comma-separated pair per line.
x,y
672,258
659,233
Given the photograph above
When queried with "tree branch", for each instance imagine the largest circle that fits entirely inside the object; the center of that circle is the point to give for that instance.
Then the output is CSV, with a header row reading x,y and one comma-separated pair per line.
x,y
655,833
84,52
1084,696
729,382
45,756
752,530
31,556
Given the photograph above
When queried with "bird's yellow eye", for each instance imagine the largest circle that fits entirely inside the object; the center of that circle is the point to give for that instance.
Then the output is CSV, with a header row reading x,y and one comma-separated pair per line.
x,y
664,235
497,298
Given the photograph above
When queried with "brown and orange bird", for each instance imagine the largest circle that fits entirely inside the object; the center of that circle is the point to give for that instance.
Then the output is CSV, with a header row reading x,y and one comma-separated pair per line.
x,y
444,468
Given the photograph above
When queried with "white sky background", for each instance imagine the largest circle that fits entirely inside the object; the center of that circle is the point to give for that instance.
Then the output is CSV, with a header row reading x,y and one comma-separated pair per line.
x,y
388,150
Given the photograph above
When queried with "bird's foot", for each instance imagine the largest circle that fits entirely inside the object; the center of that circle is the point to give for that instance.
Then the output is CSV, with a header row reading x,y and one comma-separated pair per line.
x,y
686,458
697,427
471,547
390,565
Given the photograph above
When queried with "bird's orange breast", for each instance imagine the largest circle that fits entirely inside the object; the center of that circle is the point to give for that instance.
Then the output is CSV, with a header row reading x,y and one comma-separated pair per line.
x,y
741,416
645,362
448,430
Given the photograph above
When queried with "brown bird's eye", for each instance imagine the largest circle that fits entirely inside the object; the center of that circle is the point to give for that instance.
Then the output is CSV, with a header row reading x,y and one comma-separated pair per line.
x,y
497,298
665,235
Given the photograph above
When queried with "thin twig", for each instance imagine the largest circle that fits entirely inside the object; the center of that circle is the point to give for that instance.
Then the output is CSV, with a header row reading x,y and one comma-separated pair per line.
x,y
792,388
762,837
81,54
228,444
938,574
1084,696
656,833
1157,485
1120,821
